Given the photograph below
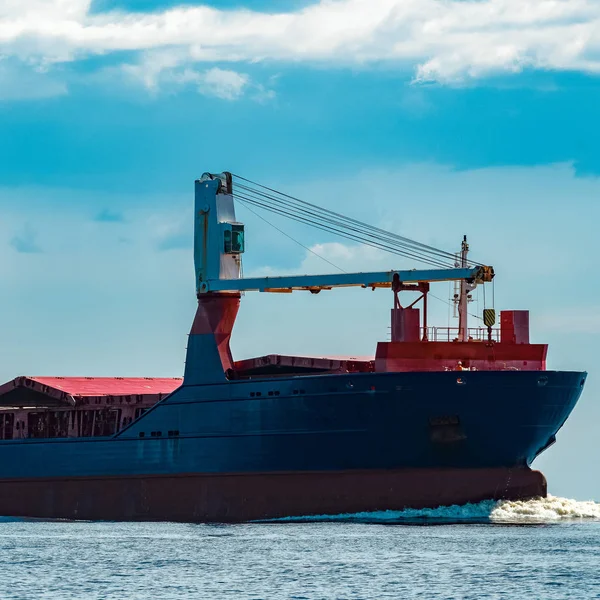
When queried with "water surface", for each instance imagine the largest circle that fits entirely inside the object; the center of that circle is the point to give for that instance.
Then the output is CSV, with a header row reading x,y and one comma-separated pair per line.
x,y
540,549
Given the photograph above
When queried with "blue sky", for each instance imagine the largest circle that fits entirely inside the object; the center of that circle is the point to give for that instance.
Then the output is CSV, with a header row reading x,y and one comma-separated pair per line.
x,y
432,119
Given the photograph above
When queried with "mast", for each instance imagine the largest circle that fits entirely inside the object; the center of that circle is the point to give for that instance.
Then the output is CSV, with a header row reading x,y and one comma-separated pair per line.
x,y
464,296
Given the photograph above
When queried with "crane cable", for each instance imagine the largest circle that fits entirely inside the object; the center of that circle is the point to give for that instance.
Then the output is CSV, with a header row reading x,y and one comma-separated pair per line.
x,y
349,233
359,223
335,225
338,224
292,238
337,231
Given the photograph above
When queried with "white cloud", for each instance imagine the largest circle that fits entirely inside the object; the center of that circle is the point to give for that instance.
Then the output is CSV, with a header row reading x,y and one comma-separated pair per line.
x,y
171,69
18,82
222,83
332,257
445,41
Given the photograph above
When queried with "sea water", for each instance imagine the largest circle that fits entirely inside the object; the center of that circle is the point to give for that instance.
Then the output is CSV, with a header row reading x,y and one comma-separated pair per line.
x,y
546,548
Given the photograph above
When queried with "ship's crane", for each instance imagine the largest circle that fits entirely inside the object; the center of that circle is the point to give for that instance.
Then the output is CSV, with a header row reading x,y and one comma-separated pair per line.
x,y
219,244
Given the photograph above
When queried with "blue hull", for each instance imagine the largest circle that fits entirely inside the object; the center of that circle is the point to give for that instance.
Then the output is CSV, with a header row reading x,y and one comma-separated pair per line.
x,y
303,445
368,421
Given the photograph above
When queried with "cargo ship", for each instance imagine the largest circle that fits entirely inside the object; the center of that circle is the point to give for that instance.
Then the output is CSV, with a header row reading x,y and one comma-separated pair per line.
x,y
436,416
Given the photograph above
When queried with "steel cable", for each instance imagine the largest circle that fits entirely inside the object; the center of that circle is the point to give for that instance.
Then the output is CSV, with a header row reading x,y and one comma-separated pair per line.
x,y
416,253
342,233
344,221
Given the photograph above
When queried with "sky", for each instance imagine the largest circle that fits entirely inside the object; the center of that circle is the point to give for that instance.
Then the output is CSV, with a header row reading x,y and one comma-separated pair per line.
x,y
432,119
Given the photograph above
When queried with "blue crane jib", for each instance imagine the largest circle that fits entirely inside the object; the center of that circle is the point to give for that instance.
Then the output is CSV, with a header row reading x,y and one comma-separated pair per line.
x,y
219,245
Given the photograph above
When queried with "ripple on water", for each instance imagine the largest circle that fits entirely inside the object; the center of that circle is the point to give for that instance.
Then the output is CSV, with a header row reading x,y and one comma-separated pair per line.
x,y
352,557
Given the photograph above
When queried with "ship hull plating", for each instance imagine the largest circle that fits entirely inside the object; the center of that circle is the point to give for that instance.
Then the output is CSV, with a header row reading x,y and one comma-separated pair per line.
x,y
256,496
294,446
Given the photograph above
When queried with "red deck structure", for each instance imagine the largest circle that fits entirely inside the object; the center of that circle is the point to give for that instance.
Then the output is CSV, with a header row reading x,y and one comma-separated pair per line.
x,y
102,386
76,406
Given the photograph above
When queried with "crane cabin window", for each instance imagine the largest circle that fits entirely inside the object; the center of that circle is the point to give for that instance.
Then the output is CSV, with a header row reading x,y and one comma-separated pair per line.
x,y
233,239
237,238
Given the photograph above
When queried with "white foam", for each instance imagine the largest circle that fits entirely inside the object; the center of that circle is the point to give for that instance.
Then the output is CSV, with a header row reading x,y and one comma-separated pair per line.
x,y
544,510
537,510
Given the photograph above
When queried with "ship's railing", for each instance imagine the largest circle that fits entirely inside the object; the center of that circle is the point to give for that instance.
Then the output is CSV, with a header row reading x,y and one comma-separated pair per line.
x,y
450,334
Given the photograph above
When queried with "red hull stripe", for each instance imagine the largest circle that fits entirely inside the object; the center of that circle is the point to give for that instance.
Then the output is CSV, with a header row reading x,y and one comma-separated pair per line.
x,y
244,497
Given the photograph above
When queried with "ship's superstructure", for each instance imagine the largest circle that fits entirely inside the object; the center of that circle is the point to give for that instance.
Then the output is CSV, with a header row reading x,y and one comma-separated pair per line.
x,y
435,416
414,345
